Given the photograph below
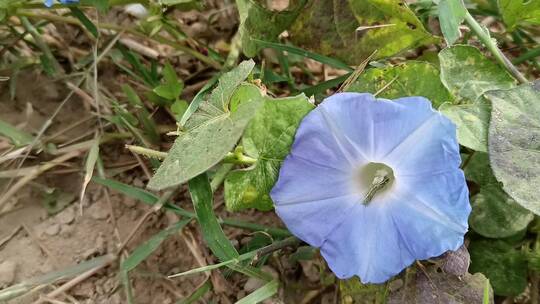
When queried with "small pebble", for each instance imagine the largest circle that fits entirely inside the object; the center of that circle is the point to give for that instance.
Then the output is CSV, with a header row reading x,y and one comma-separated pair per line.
x,y
7,273
53,229
67,216
98,211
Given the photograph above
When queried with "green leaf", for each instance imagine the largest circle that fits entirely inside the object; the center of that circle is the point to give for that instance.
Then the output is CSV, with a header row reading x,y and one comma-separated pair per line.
x,y
143,251
132,96
178,108
268,138
408,79
451,15
504,266
217,241
17,137
261,294
352,30
199,98
468,74
472,122
494,213
219,99
353,291
88,24
258,22
514,143
212,131
515,12
169,91
171,87
169,74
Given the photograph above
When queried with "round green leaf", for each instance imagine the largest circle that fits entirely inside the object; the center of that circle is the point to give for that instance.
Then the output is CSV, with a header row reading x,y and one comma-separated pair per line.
x,y
204,145
514,143
514,12
494,213
472,121
468,74
353,30
268,138
408,79
504,266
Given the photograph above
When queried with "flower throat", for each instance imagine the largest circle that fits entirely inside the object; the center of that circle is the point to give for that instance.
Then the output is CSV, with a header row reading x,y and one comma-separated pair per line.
x,y
376,178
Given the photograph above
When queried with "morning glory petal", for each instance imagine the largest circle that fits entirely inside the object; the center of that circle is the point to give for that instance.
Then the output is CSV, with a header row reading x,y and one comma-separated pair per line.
x,y
367,244
375,184
431,147
321,136
49,3
315,220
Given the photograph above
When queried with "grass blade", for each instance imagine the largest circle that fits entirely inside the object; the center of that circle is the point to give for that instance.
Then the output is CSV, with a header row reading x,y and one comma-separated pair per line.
x,y
77,13
261,294
486,292
51,277
199,293
150,199
144,250
320,88
124,278
298,51
91,160
217,241
202,197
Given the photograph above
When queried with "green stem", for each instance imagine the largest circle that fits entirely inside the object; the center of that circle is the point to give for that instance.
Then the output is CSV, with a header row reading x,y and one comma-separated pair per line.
x,y
238,159
147,152
491,45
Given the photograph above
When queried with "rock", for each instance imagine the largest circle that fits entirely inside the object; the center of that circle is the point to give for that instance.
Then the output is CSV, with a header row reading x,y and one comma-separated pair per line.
x,y
253,283
7,273
53,229
457,262
115,299
86,289
98,211
137,182
66,231
128,201
66,217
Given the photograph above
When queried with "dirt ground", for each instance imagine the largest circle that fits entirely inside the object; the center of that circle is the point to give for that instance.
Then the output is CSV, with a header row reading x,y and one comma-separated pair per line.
x,y
33,243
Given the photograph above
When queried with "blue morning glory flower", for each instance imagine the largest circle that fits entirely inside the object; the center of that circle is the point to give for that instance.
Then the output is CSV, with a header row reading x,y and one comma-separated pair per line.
x,y
375,184
49,3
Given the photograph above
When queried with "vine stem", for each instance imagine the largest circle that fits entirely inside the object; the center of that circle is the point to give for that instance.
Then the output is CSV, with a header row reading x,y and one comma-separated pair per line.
x,y
235,157
491,44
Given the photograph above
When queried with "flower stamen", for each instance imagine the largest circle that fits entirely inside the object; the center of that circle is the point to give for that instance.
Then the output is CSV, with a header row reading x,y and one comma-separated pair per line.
x,y
379,181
